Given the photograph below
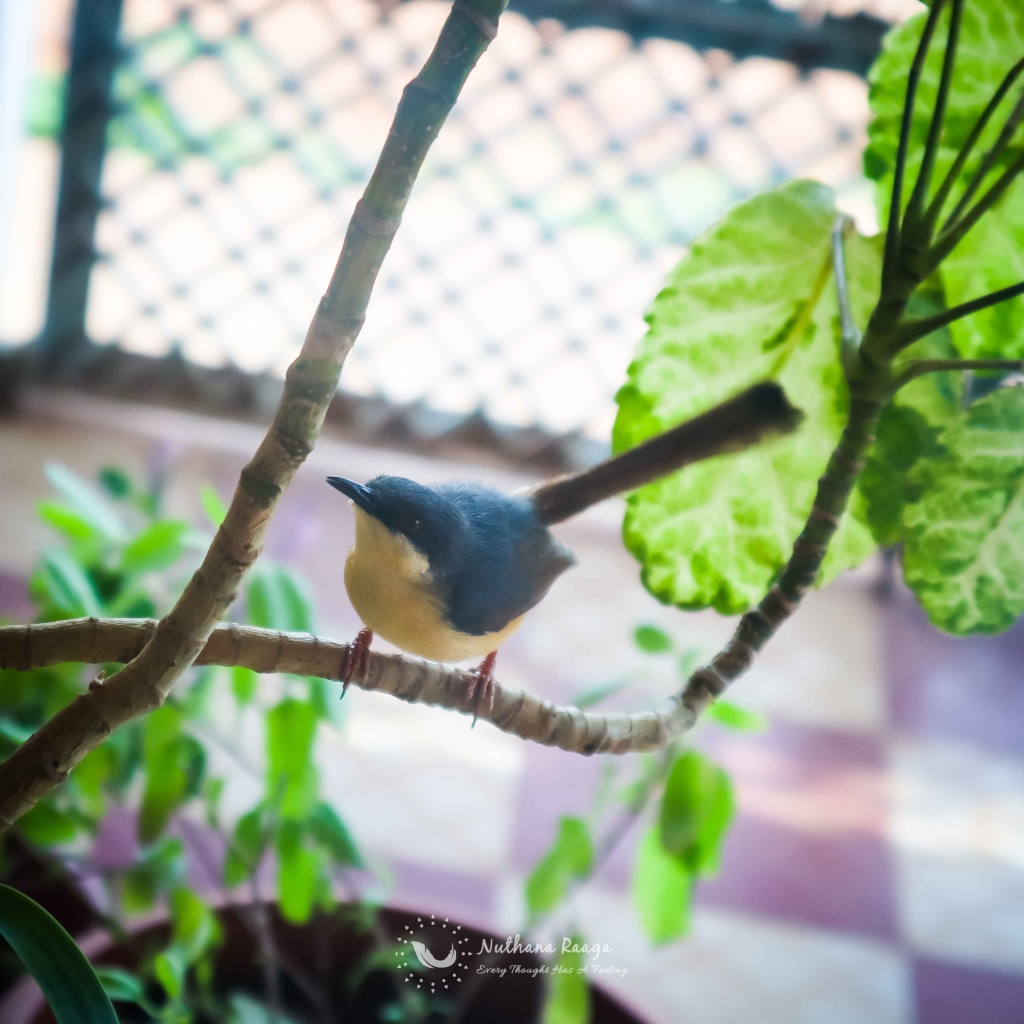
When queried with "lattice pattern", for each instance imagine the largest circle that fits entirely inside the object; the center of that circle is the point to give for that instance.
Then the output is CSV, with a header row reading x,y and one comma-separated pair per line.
x,y
571,175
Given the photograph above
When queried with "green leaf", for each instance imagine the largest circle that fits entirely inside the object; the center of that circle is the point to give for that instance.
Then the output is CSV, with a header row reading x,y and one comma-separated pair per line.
x,y
990,257
158,547
964,547
66,521
327,828
567,994
275,599
248,842
754,299
291,777
195,928
170,968
244,683
87,503
734,717
570,857
66,585
47,826
652,640
115,482
159,869
122,986
662,888
298,873
50,955
696,809
174,765
89,778
212,505
909,427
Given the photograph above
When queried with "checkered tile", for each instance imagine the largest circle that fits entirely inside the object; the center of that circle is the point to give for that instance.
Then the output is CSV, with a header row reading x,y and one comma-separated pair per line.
x,y
875,873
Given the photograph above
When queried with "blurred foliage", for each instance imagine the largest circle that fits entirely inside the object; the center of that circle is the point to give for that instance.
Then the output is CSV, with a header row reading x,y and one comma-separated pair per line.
x,y
117,555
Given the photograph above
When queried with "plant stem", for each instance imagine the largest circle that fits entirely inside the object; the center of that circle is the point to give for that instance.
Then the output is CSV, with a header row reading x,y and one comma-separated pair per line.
x,y
915,208
311,381
922,366
913,330
893,232
934,211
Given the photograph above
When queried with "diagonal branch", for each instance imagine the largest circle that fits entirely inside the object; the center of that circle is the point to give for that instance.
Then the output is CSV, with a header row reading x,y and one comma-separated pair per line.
x,y
46,758
992,156
951,237
915,208
910,331
892,235
934,211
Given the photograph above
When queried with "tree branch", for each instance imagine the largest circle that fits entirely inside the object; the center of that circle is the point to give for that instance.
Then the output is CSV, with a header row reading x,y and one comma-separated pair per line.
x,y
892,234
915,208
934,210
922,366
46,758
913,330
93,641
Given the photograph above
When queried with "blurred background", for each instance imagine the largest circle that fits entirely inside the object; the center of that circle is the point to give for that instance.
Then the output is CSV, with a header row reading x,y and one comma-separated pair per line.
x,y
175,180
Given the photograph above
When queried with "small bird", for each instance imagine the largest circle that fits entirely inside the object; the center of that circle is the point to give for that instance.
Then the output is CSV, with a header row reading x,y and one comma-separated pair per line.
x,y
448,571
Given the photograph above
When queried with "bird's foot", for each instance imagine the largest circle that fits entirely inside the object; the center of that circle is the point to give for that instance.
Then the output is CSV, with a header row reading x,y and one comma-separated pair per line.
x,y
481,689
357,660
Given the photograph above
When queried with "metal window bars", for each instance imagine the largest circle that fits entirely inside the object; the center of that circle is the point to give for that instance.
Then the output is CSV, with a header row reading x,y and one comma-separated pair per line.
x,y
594,141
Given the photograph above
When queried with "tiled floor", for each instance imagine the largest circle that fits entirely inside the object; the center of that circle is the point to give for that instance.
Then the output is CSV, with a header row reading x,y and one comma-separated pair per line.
x,y
875,874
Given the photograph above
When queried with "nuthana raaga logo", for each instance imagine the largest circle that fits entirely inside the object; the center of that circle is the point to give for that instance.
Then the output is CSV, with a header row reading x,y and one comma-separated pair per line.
x,y
433,954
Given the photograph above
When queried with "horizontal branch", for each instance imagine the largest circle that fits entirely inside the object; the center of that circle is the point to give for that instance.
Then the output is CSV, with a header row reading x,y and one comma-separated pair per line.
x,y
922,366
97,641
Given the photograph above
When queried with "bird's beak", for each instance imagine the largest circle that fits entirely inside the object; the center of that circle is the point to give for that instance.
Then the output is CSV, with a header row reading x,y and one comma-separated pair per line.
x,y
357,492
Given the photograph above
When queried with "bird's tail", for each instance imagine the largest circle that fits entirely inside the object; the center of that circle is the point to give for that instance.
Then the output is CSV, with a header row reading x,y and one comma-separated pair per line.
x,y
757,413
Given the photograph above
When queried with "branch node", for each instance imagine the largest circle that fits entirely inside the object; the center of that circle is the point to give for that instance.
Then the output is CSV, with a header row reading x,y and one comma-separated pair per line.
x,y
488,27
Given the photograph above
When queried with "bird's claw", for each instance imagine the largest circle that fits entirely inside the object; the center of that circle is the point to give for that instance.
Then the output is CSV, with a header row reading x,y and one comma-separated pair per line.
x,y
357,660
481,689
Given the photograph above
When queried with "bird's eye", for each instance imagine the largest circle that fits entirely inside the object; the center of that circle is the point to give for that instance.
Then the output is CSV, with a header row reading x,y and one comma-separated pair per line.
x,y
412,525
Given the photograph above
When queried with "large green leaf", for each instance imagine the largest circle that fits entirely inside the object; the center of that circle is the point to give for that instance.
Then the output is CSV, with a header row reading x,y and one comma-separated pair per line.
x,y
662,886
571,857
964,547
990,257
754,299
59,967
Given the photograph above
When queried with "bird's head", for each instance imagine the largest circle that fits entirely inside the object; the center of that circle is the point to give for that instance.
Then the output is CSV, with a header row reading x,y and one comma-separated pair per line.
x,y
410,512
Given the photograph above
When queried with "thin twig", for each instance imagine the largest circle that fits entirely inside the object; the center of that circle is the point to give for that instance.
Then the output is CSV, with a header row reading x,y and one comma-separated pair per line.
x,y
934,210
922,366
892,235
915,208
910,331
992,156
851,335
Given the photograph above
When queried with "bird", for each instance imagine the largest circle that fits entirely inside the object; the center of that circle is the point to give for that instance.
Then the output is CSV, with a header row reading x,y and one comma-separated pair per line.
x,y
447,571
